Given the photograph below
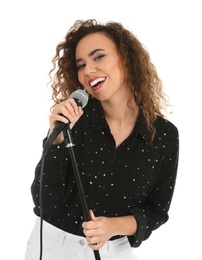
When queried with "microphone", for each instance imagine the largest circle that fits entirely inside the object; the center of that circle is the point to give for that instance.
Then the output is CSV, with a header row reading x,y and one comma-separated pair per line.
x,y
81,99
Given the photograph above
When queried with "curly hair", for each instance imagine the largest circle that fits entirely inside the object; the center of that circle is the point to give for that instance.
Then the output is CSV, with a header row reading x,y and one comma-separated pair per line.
x,y
140,73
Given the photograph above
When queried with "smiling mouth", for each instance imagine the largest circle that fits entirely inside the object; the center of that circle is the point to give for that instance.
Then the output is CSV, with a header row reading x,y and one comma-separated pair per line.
x,y
96,82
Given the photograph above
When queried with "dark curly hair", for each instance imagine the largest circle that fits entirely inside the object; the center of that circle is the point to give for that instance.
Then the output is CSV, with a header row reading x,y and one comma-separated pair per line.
x,y
140,73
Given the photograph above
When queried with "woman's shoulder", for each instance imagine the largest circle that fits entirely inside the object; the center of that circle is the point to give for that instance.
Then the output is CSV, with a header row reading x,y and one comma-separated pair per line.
x,y
166,127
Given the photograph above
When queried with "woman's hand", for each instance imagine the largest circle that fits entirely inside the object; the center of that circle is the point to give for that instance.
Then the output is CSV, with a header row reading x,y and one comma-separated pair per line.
x,y
100,229
66,111
97,231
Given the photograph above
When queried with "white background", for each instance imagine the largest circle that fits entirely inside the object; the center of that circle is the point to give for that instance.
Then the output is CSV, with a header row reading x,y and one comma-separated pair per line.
x,y
29,31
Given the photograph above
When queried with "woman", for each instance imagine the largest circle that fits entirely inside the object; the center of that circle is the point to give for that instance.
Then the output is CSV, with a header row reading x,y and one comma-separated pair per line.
x,y
127,152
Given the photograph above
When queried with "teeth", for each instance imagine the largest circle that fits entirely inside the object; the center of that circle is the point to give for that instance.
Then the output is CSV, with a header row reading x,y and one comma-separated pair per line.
x,y
94,82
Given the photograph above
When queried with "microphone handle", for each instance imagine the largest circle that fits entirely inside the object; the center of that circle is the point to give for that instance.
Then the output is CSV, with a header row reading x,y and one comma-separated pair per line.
x,y
59,127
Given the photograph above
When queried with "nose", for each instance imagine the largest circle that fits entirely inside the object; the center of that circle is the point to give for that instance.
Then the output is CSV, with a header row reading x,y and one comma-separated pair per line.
x,y
90,69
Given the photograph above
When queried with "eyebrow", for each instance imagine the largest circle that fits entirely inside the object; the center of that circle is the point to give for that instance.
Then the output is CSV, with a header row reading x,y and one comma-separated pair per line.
x,y
90,54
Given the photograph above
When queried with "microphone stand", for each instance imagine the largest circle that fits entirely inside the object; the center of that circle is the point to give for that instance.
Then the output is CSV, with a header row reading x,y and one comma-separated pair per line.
x,y
69,145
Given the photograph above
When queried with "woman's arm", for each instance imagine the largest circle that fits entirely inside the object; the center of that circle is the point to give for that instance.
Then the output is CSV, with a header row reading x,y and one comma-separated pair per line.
x,y
100,229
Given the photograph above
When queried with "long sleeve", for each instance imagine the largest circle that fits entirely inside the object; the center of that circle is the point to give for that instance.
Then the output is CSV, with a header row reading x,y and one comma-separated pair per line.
x,y
55,166
154,211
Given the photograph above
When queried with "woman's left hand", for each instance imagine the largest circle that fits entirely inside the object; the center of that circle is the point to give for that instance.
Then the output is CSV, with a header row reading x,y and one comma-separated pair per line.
x,y
98,231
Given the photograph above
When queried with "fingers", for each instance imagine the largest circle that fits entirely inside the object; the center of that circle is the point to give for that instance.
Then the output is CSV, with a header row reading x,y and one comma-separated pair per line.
x,y
69,109
66,111
94,232
92,216
97,246
92,240
95,242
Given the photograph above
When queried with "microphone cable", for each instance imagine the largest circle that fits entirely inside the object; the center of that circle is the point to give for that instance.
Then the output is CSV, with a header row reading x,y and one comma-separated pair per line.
x,y
81,99
41,205
81,194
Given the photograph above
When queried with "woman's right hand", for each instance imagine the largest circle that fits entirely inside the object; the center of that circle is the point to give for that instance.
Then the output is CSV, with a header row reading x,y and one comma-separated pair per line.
x,y
66,111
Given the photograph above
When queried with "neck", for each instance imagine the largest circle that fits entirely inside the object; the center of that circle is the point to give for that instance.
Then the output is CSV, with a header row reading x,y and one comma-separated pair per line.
x,y
121,117
120,111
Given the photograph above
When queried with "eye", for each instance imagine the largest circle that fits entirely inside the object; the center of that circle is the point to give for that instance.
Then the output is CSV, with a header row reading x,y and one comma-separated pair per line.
x,y
80,67
99,57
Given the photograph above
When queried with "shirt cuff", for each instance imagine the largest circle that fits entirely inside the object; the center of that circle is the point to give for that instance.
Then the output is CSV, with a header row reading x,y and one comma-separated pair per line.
x,y
140,235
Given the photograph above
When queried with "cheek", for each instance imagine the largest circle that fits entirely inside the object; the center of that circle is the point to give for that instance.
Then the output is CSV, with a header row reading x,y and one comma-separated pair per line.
x,y
89,90
82,81
79,77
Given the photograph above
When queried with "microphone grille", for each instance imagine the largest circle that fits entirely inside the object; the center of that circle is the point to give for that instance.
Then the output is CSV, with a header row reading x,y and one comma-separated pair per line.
x,y
81,96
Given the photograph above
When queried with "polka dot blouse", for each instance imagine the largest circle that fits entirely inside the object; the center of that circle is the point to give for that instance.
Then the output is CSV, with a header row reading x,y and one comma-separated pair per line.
x,y
137,178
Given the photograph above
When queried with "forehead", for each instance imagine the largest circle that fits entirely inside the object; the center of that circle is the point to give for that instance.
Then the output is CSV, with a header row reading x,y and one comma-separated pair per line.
x,y
92,41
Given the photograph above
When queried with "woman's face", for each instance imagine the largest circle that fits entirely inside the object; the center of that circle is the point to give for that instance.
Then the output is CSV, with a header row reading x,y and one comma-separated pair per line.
x,y
99,67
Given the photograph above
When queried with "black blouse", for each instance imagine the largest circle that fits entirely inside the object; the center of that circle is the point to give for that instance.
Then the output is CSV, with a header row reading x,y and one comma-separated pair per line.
x,y
137,178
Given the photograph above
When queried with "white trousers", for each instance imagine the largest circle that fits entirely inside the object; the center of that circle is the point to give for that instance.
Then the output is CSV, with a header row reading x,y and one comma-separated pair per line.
x,y
60,245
